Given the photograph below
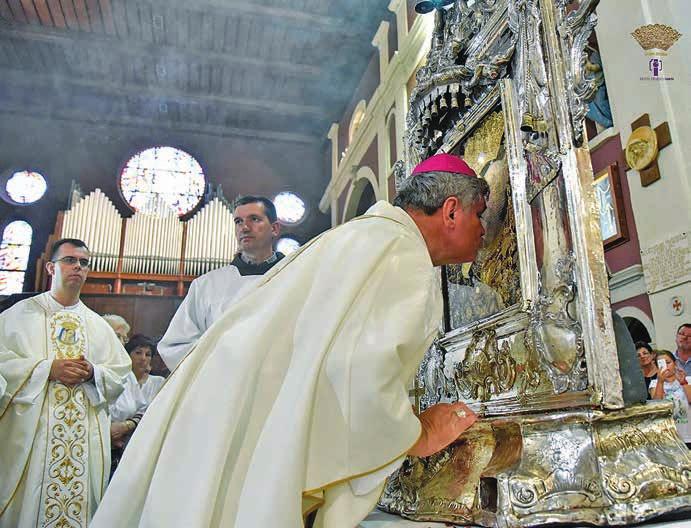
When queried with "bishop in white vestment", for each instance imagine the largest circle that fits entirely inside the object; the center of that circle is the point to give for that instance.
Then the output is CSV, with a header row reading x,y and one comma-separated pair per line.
x,y
55,437
297,397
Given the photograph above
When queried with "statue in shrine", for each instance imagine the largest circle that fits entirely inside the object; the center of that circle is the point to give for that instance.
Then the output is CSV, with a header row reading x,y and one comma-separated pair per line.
x,y
535,353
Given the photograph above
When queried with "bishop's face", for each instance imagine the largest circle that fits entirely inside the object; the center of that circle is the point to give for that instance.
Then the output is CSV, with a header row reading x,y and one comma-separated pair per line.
x,y
465,238
254,231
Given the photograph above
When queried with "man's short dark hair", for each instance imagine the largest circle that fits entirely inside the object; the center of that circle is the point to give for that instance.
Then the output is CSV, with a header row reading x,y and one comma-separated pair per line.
x,y
269,206
643,344
141,340
685,325
72,241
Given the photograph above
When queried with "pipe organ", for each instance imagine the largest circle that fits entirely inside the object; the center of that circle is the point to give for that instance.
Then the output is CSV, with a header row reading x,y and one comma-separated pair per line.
x,y
145,253
95,220
152,244
210,238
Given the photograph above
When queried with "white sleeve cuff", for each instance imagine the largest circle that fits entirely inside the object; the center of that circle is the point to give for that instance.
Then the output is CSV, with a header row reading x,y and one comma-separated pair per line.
x,y
370,482
36,384
95,388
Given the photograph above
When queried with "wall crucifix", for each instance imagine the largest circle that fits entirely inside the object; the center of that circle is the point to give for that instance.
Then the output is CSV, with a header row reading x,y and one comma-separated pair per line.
x,y
644,146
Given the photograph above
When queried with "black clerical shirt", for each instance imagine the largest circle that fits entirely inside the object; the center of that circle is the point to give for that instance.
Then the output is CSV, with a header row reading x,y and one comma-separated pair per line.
x,y
254,269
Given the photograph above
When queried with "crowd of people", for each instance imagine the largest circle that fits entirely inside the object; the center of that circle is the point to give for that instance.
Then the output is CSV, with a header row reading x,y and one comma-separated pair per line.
x,y
667,375
140,387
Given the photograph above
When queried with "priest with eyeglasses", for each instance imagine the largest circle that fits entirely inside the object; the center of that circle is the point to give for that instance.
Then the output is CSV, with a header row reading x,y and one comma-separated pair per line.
x,y
62,365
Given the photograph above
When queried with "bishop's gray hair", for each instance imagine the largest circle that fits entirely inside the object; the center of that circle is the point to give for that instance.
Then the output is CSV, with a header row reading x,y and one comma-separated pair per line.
x,y
428,191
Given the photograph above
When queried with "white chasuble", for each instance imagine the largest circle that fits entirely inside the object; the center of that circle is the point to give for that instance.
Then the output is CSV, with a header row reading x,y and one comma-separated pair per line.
x,y
55,456
297,397
208,298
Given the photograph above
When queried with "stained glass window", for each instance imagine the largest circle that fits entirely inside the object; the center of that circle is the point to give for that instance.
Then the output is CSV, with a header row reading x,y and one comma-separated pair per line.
x,y
26,187
14,256
289,207
287,245
162,177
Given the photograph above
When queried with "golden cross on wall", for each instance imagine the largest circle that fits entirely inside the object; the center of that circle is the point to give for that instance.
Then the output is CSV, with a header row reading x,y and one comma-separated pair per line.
x,y
643,147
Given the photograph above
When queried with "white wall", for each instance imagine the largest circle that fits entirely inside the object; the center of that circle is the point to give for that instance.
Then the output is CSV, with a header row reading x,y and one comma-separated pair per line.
x,y
662,209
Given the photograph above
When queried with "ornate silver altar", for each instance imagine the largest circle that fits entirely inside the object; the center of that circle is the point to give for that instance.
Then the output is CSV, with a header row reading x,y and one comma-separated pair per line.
x,y
505,85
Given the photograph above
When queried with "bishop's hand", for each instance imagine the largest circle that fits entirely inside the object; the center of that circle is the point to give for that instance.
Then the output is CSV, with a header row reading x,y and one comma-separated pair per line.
x,y
441,425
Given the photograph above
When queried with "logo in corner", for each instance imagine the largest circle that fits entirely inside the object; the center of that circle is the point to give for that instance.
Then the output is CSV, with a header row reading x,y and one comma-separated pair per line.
x,y
656,40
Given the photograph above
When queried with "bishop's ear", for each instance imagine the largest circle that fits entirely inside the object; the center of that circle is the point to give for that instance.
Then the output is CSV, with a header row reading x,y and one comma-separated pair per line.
x,y
450,209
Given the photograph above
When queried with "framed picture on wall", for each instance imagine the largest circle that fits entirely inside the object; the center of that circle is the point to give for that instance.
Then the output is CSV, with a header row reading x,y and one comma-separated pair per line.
x,y
609,198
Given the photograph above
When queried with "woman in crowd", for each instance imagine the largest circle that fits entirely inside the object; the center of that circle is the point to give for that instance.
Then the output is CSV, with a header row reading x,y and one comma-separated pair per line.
x,y
672,384
140,390
646,359
141,349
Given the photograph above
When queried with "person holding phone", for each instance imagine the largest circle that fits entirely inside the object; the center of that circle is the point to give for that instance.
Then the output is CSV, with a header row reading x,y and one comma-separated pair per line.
x,y
672,384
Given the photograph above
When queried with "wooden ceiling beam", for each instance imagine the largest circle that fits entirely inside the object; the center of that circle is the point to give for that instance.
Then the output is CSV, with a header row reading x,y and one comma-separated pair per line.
x,y
162,94
141,123
249,7
155,52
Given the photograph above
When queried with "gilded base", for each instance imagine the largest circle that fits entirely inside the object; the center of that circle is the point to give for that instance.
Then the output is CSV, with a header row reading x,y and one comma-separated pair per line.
x,y
601,467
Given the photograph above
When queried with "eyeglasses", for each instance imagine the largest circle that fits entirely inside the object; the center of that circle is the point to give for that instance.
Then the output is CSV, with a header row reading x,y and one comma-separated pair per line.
x,y
71,261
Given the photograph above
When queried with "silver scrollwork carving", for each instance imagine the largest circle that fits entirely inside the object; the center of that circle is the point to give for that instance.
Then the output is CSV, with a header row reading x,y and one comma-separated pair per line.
x,y
555,334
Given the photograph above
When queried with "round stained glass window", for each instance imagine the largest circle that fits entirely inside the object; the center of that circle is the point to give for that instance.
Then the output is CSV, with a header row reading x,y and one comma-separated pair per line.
x,y
290,208
287,245
160,178
26,187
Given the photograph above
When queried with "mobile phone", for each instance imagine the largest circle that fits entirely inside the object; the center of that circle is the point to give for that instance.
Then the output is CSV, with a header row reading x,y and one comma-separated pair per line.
x,y
661,364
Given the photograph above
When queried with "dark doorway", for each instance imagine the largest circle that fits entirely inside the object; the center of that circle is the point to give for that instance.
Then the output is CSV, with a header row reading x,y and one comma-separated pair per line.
x,y
367,200
637,330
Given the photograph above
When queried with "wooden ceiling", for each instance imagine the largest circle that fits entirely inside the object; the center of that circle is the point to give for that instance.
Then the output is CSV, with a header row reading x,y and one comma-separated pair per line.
x,y
278,71
274,68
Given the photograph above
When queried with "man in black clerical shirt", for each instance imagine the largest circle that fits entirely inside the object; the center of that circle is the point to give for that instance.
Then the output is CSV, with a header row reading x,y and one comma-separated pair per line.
x,y
209,296
256,227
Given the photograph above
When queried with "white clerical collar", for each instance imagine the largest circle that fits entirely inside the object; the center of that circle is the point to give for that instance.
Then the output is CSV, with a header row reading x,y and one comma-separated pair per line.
x,y
55,305
249,260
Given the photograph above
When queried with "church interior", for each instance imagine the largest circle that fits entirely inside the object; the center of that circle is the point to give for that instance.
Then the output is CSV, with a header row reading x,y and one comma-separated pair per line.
x,y
134,125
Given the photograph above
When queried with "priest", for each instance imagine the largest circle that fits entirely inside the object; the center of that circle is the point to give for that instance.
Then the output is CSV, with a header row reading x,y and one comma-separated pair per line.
x,y
296,399
63,366
256,229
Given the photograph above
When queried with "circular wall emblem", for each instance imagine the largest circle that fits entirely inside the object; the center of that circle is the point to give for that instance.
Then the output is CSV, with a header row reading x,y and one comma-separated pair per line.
x,y
676,305
641,149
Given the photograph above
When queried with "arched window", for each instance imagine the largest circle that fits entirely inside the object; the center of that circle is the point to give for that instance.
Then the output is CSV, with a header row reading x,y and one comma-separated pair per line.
x,y
356,120
160,178
14,256
393,155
